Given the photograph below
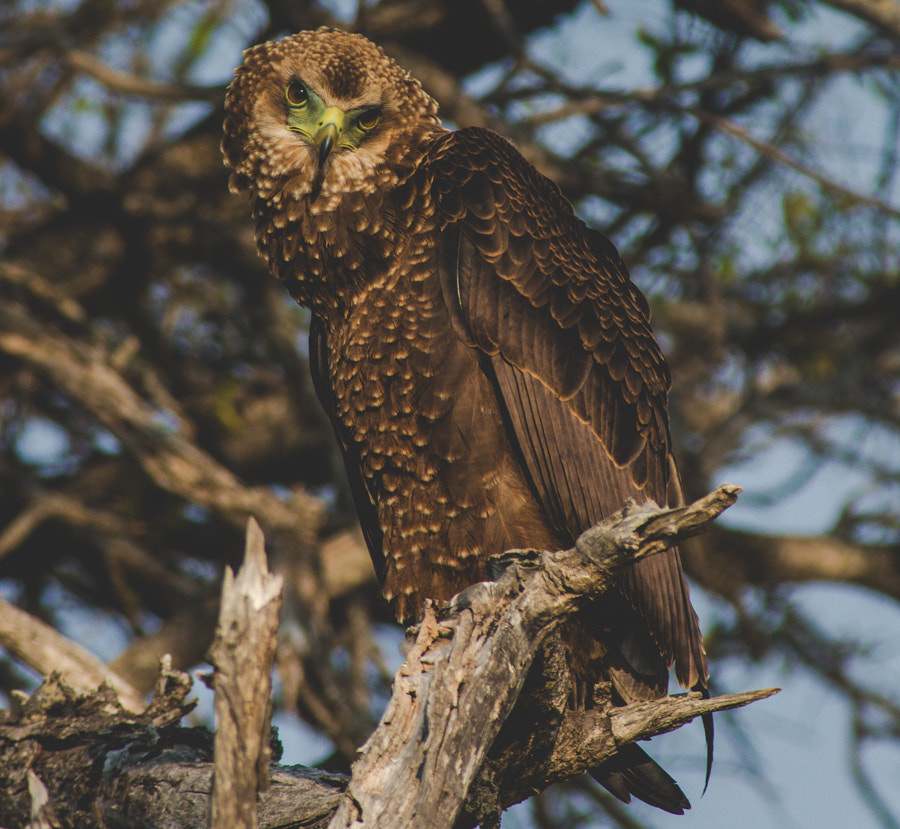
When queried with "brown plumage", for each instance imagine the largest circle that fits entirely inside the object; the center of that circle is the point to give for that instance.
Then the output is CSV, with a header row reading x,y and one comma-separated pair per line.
x,y
486,362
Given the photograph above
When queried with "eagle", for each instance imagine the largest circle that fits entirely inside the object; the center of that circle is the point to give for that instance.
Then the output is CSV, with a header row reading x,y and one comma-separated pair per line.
x,y
484,358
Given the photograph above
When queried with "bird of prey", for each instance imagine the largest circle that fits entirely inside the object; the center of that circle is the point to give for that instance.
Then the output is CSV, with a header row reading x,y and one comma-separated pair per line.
x,y
485,360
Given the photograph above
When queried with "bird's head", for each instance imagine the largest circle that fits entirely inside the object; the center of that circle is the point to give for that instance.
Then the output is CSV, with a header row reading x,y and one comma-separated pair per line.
x,y
323,111
329,128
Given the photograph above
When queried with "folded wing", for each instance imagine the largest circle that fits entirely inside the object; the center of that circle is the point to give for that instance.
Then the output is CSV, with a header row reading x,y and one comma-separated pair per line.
x,y
566,339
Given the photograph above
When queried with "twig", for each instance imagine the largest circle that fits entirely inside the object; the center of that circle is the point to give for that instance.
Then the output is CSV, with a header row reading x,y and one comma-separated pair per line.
x,y
44,506
728,127
118,81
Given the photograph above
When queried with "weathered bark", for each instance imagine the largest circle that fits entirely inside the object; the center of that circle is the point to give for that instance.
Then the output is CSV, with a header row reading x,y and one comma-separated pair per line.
x,y
38,645
242,654
103,766
464,673
441,755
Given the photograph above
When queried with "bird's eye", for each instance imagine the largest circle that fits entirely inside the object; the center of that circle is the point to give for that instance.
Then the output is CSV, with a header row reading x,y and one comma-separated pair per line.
x,y
296,94
369,119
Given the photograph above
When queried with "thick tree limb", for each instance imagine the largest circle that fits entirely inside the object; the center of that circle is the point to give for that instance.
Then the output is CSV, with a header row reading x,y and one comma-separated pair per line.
x,y
450,700
455,746
727,560
143,771
36,644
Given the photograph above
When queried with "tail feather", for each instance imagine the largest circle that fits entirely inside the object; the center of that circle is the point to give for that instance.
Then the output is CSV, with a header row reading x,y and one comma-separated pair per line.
x,y
708,733
632,772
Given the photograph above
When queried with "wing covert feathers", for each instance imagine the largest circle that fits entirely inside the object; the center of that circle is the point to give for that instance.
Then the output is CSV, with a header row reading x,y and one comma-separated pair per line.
x,y
577,369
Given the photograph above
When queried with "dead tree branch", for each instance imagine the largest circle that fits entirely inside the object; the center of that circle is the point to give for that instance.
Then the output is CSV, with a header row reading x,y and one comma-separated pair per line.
x,y
36,644
451,698
242,654
456,745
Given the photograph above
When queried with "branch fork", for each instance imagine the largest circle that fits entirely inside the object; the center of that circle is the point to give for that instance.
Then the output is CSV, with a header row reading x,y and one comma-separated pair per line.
x,y
453,695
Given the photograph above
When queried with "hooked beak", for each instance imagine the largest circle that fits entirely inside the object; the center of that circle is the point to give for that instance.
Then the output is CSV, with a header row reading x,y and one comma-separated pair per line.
x,y
328,133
